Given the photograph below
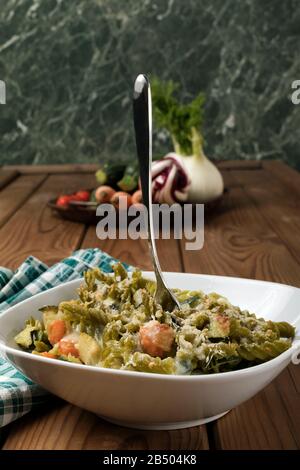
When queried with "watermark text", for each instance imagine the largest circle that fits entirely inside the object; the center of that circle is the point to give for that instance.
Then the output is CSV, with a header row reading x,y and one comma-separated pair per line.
x,y
180,222
295,97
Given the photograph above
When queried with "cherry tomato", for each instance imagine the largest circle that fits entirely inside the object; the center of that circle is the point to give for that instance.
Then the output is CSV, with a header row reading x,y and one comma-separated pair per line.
x,y
66,347
82,196
63,201
156,338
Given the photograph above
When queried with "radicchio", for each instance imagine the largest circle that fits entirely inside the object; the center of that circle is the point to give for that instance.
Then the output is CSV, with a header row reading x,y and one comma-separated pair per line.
x,y
170,181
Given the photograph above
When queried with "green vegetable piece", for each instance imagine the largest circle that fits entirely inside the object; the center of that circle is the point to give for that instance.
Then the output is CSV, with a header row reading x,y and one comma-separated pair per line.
x,y
237,331
129,182
93,196
25,337
192,301
33,329
49,308
49,314
40,346
70,358
219,327
285,329
110,173
89,350
120,271
145,363
101,176
220,357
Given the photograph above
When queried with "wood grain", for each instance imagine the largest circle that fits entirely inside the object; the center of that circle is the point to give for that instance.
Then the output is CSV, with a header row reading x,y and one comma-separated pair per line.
x,y
286,174
279,206
238,164
295,375
65,427
35,230
133,252
7,176
51,169
261,423
15,195
136,252
239,242
93,167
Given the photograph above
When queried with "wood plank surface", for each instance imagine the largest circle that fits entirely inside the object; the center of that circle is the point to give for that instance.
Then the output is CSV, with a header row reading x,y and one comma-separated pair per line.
x,y
239,165
239,242
262,423
136,252
7,176
35,230
15,195
289,176
295,375
277,204
92,167
58,169
65,427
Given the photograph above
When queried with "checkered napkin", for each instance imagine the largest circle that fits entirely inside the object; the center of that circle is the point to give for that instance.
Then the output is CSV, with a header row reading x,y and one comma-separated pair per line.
x,y
18,394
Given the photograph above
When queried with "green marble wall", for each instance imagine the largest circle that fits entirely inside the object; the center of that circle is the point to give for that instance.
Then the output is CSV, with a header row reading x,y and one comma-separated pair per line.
x,y
69,66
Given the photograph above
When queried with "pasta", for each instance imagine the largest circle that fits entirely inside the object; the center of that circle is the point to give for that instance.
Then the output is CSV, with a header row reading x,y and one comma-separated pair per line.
x,y
116,323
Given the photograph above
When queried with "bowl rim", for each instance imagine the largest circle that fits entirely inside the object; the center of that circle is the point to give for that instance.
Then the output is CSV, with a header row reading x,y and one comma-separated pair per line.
x,y
219,376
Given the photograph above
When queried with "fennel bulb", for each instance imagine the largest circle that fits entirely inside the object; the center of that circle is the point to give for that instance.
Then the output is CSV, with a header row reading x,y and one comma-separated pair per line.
x,y
186,174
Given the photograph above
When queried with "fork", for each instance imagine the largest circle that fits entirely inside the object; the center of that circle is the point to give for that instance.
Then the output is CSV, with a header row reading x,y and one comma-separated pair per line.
x,y
142,116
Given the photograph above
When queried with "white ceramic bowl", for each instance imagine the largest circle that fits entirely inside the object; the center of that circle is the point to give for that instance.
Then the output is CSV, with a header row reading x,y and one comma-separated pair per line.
x,y
152,401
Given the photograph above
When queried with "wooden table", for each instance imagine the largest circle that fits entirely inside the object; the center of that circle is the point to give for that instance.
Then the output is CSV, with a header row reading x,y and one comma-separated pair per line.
x,y
254,234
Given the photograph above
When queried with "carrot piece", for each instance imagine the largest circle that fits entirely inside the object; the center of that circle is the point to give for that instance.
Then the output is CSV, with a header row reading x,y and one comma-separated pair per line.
x,y
56,330
47,354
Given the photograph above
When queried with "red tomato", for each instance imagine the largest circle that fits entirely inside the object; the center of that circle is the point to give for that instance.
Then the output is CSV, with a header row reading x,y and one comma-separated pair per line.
x,y
63,201
156,338
82,196
66,347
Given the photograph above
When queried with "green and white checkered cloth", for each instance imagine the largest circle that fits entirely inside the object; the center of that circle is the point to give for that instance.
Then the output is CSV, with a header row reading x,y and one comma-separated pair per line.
x,y
18,394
